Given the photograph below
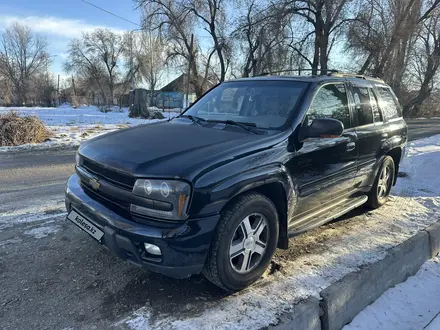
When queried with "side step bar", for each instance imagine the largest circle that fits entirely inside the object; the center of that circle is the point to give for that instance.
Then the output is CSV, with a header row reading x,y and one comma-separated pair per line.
x,y
315,220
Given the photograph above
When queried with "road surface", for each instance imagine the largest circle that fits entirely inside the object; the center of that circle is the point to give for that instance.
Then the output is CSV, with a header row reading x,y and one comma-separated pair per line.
x,y
67,280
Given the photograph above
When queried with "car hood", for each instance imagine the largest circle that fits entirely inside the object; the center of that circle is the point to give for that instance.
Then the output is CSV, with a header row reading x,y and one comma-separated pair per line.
x,y
163,149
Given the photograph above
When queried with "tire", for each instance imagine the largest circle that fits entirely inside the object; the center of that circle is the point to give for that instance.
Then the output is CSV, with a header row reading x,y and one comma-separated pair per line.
x,y
235,273
380,192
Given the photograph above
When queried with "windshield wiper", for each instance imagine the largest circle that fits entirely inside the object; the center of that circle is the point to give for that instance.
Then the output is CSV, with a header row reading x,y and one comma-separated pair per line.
x,y
245,126
194,119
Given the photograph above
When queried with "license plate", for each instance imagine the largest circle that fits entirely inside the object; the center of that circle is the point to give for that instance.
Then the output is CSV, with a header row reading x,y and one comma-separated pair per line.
x,y
85,225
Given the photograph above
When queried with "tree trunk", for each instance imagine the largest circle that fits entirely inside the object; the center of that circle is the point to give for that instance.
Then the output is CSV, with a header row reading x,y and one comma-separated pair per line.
x,y
366,64
323,51
315,62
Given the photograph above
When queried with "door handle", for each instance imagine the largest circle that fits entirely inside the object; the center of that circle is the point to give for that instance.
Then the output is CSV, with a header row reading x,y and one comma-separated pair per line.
x,y
351,146
384,135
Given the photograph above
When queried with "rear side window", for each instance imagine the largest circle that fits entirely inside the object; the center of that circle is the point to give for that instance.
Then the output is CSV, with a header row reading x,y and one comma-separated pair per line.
x,y
363,106
366,106
388,104
376,112
331,102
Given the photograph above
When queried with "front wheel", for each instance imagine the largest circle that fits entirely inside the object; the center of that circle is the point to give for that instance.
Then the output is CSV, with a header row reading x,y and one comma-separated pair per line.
x,y
383,183
244,242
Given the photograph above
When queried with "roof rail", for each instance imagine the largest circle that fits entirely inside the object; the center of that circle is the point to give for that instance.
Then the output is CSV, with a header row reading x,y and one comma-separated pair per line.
x,y
354,75
297,71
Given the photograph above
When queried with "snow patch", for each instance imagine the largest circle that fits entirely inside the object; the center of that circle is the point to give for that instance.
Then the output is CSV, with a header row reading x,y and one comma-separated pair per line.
x,y
409,305
41,232
435,324
72,126
139,321
10,241
31,214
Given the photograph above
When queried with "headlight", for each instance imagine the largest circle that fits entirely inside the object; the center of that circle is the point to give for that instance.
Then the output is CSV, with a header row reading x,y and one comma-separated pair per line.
x,y
167,199
78,159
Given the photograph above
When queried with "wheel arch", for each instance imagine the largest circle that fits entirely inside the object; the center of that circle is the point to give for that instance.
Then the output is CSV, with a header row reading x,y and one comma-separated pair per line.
x,y
396,154
275,191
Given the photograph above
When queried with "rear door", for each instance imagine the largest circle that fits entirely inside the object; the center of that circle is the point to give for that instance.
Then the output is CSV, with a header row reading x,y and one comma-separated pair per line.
x,y
370,129
324,168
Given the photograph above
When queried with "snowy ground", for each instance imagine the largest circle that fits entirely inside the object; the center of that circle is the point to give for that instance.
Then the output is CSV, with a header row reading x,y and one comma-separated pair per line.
x,y
72,126
413,304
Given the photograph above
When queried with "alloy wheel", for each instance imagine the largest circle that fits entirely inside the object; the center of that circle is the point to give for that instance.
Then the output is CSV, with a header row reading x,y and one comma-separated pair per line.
x,y
384,182
248,243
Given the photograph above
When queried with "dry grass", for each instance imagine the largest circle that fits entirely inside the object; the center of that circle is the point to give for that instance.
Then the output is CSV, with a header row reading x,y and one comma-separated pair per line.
x,y
16,130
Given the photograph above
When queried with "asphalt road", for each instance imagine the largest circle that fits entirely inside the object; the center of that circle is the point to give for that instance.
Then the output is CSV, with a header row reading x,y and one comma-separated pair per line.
x,y
54,276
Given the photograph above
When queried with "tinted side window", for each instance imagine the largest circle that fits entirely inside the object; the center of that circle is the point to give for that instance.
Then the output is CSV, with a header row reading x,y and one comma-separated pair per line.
x,y
363,105
387,103
331,102
376,112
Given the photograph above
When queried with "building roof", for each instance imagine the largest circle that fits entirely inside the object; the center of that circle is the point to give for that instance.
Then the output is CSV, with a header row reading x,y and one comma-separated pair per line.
x,y
179,85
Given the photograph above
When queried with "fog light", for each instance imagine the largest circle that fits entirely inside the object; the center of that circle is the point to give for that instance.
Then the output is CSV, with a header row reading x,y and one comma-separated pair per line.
x,y
152,249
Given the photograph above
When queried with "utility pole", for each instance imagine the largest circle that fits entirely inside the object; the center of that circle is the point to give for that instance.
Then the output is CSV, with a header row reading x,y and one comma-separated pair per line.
x,y
74,104
131,71
188,75
260,52
58,91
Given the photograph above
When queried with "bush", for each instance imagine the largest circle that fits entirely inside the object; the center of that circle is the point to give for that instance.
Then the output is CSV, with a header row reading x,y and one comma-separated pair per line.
x,y
110,108
157,115
147,114
105,108
16,130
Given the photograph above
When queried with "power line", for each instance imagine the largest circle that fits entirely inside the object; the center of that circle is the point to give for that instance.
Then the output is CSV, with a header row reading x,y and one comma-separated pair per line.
x,y
109,12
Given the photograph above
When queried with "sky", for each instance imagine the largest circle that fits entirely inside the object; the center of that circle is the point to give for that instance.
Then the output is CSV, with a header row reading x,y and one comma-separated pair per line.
x,y
61,20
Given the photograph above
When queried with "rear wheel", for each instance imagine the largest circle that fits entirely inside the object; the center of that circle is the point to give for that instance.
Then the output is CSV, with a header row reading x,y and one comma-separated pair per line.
x,y
383,183
244,243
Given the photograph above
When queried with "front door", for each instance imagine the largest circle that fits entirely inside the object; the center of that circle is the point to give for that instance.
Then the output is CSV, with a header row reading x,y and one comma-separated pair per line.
x,y
324,168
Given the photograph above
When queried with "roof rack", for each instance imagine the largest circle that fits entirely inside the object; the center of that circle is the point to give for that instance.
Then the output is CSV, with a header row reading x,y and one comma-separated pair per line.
x,y
297,71
354,75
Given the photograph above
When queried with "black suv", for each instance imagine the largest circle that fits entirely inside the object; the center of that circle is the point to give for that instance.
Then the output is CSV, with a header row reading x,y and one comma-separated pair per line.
x,y
250,164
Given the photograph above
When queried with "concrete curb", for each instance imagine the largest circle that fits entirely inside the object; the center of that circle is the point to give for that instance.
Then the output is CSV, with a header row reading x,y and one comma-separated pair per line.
x,y
304,315
344,299
434,238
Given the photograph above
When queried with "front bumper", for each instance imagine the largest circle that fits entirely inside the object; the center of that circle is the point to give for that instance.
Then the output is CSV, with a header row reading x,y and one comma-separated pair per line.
x,y
184,246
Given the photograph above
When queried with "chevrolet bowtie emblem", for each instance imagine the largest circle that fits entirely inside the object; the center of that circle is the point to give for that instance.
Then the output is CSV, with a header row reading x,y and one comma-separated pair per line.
x,y
94,183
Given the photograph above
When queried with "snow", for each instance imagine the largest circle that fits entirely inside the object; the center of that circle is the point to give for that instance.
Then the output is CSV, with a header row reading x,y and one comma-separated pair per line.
x,y
32,213
41,232
73,126
409,305
435,323
65,115
324,255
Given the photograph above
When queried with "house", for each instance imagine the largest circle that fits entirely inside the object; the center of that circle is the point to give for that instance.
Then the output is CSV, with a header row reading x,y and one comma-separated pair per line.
x,y
173,94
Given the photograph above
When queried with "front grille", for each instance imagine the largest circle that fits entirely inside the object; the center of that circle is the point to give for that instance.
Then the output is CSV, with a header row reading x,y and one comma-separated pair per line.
x,y
115,177
108,201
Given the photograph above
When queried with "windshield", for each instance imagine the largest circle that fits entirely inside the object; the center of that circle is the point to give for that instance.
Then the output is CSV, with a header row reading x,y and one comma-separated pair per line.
x,y
264,104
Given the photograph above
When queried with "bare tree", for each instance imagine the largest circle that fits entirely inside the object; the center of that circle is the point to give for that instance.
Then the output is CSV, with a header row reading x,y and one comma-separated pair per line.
x,y
383,35
213,17
151,53
426,62
22,56
261,36
325,17
97,57
177,21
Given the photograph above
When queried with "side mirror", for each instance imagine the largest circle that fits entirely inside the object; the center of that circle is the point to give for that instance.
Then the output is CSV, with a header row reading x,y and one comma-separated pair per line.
x,y
322,128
